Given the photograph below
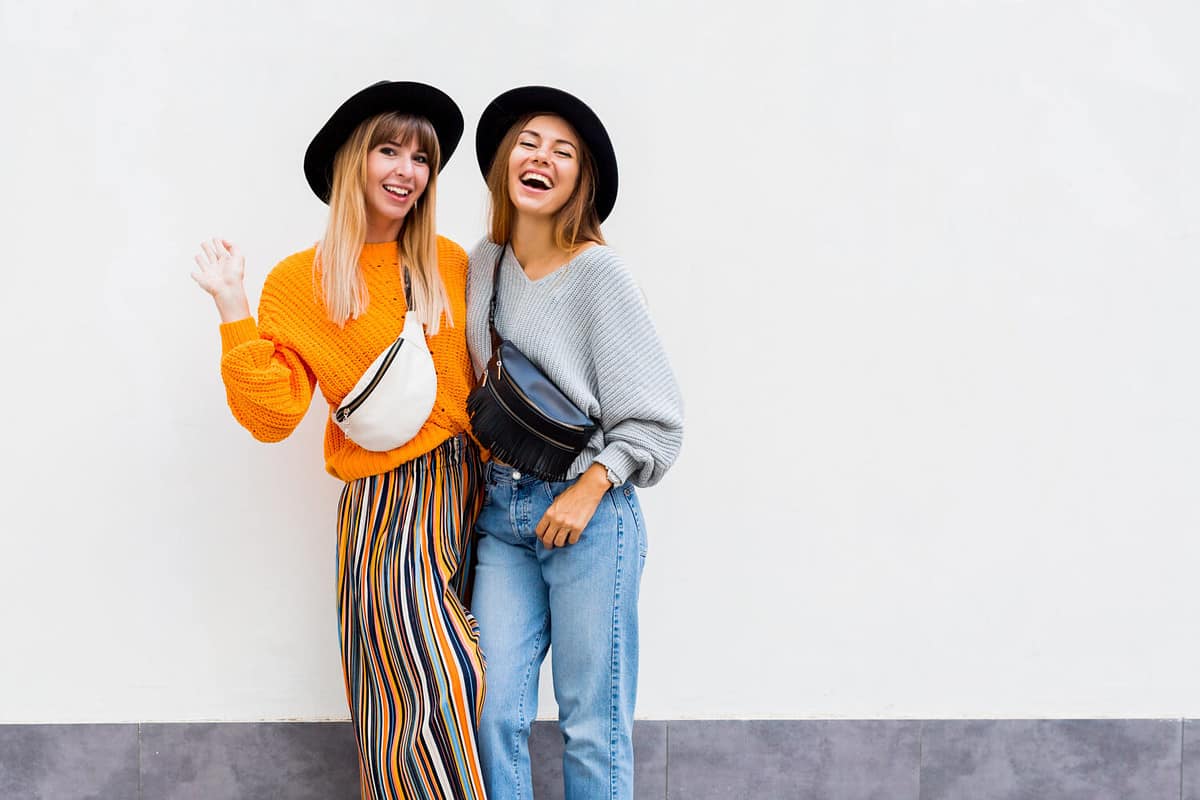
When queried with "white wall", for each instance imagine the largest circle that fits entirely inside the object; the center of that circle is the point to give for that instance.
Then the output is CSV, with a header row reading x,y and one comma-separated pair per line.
x,y
926,270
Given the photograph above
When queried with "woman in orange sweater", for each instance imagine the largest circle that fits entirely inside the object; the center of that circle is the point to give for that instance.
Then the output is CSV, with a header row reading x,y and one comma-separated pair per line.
x,y
410,649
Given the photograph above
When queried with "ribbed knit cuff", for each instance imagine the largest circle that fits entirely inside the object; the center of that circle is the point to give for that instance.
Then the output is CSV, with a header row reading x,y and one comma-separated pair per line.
x,y
618,460
239,332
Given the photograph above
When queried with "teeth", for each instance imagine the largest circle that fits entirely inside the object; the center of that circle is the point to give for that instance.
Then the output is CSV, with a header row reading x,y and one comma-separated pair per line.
x,y
533,176
397,191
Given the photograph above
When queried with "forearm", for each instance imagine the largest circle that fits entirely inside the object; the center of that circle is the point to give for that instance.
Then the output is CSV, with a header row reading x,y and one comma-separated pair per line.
x,y
232,304
269,387
594,481
642,450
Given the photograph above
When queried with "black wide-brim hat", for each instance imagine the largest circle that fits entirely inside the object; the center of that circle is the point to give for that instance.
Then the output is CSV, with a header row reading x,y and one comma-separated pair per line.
x,y
505,110
406,97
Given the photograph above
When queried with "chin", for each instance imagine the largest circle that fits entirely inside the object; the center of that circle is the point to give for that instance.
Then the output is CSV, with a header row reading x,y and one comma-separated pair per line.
x,y
542,209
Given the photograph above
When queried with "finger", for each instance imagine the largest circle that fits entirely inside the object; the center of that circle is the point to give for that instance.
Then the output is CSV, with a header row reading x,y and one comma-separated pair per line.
x,y
547,542
574,537
208,251
553,538
542,526
219,247
561,536
232,248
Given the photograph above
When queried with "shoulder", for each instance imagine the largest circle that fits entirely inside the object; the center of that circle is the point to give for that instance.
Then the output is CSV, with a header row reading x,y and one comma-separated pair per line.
x,y
451,256
288,294
602,267
292,273
607,286
450,249
484,250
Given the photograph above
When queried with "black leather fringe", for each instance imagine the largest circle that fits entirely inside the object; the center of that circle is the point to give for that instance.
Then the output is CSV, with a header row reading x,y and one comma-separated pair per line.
x,y
512,443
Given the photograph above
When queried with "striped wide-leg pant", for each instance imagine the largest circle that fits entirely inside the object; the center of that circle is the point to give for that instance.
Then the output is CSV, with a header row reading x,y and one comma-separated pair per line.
x,y
410,648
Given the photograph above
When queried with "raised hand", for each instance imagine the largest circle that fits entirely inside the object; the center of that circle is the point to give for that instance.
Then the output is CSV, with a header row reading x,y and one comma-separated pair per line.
x,y
220,270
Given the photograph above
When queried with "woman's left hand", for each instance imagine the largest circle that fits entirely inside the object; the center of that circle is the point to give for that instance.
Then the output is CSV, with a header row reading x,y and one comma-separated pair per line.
x,y
572,510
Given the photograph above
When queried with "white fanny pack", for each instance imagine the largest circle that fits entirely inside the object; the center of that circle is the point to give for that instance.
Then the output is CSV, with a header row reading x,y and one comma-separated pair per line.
x,y
393,398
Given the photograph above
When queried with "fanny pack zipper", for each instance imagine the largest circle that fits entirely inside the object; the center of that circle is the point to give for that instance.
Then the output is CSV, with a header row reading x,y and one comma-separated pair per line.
x,y
348,409
530,403
496,395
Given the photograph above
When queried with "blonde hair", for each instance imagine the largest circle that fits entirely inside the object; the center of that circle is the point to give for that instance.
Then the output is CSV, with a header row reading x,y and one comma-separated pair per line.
x,y
577,221
335,270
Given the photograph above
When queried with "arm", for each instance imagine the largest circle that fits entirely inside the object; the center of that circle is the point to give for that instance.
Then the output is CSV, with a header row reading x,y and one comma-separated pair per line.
x,y
641,410
268,385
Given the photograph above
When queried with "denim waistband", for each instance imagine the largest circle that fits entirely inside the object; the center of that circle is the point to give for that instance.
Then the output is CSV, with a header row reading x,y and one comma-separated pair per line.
x,y
503,473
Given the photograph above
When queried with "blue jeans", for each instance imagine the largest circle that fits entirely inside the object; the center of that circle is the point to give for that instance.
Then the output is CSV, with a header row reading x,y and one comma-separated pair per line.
x,y
582,599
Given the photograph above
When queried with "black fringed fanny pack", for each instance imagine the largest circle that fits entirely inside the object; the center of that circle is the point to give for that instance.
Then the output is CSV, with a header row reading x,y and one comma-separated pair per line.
x,y
520,415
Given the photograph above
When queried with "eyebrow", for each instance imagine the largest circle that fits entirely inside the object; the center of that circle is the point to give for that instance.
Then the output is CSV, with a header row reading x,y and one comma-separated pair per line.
x,y
528,132
394,143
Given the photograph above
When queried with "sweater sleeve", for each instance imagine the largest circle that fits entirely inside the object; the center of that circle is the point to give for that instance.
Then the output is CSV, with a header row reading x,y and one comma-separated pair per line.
x,y
267,384
641,410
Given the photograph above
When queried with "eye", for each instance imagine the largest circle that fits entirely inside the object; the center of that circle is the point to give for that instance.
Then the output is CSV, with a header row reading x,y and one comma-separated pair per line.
x,y
564,153
421,158
527,144
387,151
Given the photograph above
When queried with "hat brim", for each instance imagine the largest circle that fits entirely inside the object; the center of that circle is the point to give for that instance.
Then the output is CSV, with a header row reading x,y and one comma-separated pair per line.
x,y
505,110
406,97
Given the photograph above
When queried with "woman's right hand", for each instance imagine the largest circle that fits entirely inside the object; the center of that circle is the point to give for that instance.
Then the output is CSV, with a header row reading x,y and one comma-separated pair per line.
x,y
221,268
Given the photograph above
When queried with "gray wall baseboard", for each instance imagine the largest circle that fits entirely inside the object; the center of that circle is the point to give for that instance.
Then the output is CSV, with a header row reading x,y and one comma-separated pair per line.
x,y
1109,759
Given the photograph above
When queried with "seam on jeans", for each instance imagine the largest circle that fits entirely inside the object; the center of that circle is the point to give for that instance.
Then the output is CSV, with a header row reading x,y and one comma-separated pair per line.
x,y
516,744
614,665
513,521
638,522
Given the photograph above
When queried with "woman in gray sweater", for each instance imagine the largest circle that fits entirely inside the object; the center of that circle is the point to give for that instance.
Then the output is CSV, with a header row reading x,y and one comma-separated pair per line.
x,y
560,562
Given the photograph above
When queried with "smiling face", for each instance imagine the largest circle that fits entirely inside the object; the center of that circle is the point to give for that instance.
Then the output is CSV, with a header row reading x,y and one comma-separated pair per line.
x,y
543,166
396,176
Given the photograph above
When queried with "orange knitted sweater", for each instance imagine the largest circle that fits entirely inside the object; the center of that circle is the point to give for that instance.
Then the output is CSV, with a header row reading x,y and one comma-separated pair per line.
x,y
270,369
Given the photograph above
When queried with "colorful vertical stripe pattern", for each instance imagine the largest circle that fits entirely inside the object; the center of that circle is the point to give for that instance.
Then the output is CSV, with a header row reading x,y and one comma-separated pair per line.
x,y
410,649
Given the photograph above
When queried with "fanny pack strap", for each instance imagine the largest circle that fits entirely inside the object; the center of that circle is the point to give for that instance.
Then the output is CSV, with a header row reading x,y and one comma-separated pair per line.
x,y
495,294
408,302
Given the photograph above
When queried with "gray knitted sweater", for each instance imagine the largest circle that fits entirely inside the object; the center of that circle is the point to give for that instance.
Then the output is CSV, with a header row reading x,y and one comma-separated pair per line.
x,y
586,326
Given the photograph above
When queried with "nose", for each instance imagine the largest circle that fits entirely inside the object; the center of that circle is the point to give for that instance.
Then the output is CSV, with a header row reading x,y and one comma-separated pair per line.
x,y
403,166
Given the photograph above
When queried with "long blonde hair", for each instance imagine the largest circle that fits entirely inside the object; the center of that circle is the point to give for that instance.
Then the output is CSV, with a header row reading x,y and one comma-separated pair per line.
x,y
342,287
574,223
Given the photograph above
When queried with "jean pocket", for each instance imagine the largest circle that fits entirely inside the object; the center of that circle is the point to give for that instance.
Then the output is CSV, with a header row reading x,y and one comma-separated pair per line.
x,y
554,488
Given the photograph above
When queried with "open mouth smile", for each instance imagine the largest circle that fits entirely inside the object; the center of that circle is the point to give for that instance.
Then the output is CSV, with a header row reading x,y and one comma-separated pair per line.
x,y
536,181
